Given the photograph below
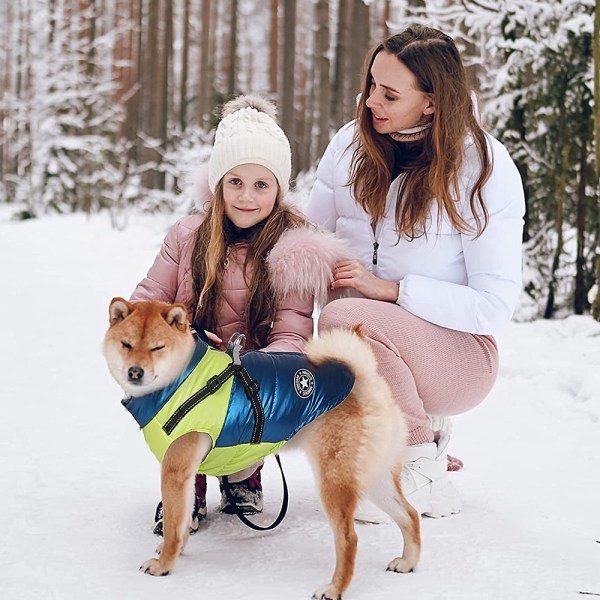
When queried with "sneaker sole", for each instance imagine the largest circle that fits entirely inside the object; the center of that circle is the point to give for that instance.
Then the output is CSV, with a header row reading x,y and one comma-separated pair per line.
x,y
440,501
245,509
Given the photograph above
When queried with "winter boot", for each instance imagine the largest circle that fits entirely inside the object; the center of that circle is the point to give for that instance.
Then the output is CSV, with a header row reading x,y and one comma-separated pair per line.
x,y
198,511
246,495
425,480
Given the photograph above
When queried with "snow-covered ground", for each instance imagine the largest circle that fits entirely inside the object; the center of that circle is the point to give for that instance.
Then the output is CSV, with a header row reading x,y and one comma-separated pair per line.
x,y
79,486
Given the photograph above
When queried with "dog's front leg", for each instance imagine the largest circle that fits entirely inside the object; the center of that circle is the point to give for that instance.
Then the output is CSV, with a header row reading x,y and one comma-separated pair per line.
x,y
179,468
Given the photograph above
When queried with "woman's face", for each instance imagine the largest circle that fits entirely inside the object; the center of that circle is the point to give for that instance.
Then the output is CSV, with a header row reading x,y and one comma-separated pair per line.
x,y
249,194
395,101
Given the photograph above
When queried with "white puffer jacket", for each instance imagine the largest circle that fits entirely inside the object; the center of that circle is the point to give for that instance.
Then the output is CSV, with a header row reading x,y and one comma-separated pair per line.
x,y
447,278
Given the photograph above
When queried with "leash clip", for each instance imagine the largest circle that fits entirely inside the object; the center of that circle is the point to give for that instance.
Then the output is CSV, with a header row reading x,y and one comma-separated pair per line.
x,y
234,347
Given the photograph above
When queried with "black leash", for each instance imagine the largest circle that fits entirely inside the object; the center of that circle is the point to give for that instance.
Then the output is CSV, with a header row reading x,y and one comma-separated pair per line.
x,y
242,517
251,387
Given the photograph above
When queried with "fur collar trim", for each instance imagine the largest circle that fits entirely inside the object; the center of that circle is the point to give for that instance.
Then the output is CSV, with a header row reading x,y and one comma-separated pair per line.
x,y
302,262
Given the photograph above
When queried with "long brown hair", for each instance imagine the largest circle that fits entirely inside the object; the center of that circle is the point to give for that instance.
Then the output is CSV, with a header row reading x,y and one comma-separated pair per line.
x,y
208,258
435,62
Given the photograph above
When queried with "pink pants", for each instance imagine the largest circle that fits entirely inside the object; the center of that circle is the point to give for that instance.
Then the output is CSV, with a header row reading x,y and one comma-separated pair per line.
x,y
431,370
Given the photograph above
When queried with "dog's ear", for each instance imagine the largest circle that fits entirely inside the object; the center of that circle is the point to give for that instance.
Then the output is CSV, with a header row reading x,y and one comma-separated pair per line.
x,y
118,310
177,317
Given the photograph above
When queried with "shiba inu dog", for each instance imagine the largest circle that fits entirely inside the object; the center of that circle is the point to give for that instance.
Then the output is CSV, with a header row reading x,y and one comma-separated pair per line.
x,y
355,447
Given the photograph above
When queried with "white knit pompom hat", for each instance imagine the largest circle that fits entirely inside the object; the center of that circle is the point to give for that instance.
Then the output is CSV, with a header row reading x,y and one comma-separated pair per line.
x,y
248,133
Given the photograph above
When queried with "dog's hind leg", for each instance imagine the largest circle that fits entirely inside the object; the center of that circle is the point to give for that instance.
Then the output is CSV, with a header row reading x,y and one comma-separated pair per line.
x,y
179,468
386,493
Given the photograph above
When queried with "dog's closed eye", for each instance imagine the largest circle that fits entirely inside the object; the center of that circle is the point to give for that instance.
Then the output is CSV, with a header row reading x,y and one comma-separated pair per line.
x,y
126,345
158,348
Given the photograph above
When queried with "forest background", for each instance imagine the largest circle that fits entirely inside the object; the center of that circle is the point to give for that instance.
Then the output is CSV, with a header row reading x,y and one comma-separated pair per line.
x,y
108,104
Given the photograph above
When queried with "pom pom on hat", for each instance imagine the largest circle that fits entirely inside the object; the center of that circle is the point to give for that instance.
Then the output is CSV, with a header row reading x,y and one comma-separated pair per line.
x,y
248,133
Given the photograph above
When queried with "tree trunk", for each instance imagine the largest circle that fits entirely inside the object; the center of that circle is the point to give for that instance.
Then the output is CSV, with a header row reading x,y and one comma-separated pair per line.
x,y
274,47
387,15
303,101
5,78
185,61
322,74
87,202
596,63
164,83
141,76
232,71
561,185
206,92
580,301
125,55
338,91
151,94
416,7
286,104
361,40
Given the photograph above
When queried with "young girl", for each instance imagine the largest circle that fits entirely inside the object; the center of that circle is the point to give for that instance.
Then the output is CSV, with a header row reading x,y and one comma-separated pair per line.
x,y
246,262
433,208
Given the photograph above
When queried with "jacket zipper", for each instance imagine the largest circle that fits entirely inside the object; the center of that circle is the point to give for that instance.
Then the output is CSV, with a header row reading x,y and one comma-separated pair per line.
x,y
375,248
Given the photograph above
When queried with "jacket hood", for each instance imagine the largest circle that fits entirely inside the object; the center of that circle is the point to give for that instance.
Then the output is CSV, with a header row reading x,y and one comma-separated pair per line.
x,y
200,190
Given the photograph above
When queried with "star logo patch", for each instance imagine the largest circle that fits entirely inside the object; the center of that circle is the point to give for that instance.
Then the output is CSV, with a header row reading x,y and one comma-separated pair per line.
x,y
304,383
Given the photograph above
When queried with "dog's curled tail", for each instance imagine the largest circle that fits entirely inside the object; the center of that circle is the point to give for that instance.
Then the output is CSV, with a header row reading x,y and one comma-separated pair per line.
x,y
346,346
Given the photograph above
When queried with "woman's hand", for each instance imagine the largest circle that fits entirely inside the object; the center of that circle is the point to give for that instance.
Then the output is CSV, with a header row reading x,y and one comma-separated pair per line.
x,y
350,273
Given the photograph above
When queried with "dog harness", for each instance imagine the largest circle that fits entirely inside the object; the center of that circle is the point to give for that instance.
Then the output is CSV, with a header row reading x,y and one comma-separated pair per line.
x,y
228,401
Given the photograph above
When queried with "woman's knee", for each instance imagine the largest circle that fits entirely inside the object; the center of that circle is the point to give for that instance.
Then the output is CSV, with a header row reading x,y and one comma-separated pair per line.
x,y
339,313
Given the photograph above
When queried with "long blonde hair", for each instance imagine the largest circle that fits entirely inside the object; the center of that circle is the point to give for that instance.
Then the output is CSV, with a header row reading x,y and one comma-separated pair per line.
x,y
208,258
435,62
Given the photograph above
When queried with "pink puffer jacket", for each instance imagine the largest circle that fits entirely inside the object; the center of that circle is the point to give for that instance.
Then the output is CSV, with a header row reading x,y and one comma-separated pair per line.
x,y
300,266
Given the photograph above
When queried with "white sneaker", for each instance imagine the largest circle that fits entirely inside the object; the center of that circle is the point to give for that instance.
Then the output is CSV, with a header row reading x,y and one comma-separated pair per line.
x,y
425,475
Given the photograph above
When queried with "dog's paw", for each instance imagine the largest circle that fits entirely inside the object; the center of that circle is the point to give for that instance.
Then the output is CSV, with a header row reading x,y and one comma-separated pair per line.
x,y
152,567
401,565
327,592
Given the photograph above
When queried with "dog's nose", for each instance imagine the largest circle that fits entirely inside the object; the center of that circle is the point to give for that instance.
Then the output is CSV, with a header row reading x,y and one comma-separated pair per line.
x,y
135,374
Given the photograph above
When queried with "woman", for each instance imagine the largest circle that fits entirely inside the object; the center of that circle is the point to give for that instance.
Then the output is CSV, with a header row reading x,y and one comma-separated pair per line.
x,y
433,208
246,262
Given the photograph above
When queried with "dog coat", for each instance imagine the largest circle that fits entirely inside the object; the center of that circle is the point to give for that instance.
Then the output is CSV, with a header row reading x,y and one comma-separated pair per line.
x,y
293,393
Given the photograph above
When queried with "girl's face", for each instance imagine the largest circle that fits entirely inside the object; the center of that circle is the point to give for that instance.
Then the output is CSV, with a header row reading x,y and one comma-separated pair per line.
x,y
249,194
395,100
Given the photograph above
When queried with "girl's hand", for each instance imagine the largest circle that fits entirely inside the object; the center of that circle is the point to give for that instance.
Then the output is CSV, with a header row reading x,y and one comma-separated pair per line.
x,y
350,273
213,338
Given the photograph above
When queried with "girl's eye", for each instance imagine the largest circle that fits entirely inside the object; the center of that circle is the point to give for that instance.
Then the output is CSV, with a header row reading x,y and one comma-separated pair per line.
x,y
235,181
389,98
262,185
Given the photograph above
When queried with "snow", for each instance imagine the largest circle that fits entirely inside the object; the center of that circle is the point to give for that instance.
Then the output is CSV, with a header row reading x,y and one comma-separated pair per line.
x,y
79,485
